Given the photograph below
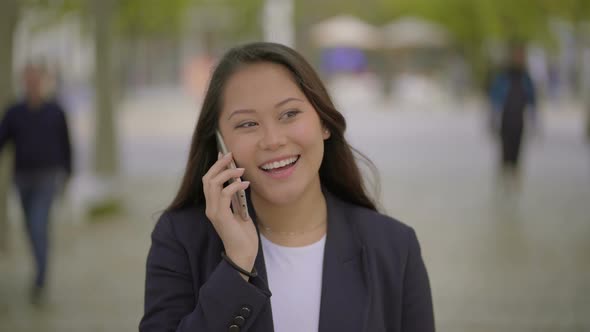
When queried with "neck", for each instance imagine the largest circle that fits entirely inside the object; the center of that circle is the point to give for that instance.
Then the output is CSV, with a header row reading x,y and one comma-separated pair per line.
x,y
297,223
34,101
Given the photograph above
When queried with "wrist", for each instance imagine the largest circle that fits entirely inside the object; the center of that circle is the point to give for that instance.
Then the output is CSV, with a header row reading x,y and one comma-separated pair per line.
x,y
245,268
244,257
245,261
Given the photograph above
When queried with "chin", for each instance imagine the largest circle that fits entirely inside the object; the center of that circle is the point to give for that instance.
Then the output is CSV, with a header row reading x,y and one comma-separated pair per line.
x,y
281,195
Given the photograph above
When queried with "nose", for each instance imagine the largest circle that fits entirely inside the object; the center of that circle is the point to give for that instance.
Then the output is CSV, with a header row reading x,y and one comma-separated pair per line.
x,y
272,138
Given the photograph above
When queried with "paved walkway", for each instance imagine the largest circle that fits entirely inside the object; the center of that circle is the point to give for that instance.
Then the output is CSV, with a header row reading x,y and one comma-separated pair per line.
x,y
498,260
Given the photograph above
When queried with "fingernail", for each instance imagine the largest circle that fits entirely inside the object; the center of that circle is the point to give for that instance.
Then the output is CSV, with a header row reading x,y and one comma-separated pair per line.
x,y
219,155
228,154
246,182
241,169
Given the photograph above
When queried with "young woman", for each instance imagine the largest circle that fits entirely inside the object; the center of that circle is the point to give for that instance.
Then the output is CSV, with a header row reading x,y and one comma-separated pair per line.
x,y
314,239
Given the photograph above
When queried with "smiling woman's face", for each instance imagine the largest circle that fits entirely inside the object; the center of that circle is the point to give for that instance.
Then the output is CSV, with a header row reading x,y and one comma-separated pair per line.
x,y
273,132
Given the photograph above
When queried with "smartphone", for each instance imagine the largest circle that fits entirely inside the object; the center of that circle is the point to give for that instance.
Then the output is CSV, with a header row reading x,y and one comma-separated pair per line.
x,y
238,203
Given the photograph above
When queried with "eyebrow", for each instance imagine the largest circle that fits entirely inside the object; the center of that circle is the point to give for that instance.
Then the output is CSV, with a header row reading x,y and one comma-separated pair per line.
x,y
279,104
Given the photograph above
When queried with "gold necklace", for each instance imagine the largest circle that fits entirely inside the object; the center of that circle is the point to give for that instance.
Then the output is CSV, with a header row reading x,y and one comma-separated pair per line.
x,y
283,233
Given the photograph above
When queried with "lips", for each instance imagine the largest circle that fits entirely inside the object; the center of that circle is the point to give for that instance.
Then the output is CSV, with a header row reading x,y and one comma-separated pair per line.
x,y
279,163
280,169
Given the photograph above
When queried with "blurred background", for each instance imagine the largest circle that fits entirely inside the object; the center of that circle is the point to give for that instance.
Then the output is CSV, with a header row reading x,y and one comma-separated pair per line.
x,y
412,77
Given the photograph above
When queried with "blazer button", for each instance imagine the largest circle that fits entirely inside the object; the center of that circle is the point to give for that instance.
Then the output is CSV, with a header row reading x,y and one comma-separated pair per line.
x,y
239,321
245,312
234,328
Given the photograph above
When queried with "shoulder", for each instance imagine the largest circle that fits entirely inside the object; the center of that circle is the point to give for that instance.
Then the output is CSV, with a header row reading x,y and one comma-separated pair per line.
x,y
54,105
378,226
14,107
12,113
388,243
184,232
186,225
376,229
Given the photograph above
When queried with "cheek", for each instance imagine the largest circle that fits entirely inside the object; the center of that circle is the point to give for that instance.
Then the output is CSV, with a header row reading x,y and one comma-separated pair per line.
x,y
243,152
306,133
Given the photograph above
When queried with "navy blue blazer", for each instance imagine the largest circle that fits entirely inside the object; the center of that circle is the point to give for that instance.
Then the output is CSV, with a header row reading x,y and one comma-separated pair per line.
x,y
374,278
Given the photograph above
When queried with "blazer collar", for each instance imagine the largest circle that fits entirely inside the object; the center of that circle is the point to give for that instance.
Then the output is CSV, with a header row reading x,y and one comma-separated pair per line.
x,y
344,299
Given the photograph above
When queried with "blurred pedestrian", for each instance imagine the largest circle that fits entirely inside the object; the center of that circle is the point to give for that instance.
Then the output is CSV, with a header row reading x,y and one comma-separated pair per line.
x,y
512,95
38,129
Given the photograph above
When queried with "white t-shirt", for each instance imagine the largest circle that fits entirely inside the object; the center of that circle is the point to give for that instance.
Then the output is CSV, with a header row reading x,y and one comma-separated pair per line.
x,y
295,281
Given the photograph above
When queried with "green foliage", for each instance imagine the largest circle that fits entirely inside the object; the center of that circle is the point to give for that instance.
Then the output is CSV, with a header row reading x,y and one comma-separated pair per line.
x,y
150,16
159,17
473,22
105,209
246,18
470,21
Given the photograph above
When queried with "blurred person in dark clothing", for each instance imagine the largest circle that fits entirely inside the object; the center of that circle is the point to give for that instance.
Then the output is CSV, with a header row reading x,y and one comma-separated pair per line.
x,y
512,94
38,129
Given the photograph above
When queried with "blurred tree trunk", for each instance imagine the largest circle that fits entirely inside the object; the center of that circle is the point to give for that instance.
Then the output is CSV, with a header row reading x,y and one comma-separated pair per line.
x,y
588,120
10,11
106,152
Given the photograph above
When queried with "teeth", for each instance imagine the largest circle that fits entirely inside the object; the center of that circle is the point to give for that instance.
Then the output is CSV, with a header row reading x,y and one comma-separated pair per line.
x,y
278,164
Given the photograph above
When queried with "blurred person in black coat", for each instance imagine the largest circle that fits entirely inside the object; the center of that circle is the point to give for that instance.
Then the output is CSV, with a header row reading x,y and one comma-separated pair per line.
x,y
38,129
512,94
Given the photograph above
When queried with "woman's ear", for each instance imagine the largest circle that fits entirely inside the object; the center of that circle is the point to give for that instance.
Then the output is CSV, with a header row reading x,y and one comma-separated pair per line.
x,y
326,133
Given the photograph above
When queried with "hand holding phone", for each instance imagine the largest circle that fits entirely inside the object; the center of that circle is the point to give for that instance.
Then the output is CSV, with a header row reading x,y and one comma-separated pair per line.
x,y
239,203
225,207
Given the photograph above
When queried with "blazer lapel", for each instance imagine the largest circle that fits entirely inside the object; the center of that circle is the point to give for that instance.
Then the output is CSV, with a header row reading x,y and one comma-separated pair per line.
x,y
344,299
264,321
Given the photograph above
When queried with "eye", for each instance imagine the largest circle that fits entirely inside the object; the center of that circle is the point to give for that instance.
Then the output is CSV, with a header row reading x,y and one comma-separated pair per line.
x,y
247,124
290,114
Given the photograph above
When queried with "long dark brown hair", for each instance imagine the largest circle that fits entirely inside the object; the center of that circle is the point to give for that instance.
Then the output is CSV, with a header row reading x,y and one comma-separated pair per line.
x,y
339,173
